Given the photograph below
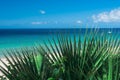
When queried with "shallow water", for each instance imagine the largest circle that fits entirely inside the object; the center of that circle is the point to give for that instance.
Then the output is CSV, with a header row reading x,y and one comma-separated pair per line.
x,y
17,38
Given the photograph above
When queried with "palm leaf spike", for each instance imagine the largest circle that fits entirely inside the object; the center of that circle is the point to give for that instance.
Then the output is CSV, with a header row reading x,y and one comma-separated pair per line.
x,y
12,64
58,49
45,54
50,54
55,54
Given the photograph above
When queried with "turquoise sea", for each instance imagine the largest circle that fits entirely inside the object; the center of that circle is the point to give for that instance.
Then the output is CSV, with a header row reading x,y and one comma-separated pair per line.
x,y
18,38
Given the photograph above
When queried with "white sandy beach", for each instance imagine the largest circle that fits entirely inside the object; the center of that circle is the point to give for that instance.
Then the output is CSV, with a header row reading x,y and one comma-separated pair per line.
x,y
1,64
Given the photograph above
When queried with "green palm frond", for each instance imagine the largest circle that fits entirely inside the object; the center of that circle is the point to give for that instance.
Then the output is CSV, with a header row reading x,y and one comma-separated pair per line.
x,y
77,60
24,65
94,57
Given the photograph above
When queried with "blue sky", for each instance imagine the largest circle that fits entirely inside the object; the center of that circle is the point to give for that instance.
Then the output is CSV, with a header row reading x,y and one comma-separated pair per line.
x,y
59,13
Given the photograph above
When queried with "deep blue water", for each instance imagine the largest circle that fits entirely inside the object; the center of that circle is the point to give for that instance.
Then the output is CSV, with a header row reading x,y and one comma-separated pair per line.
x,y
17,38
8,32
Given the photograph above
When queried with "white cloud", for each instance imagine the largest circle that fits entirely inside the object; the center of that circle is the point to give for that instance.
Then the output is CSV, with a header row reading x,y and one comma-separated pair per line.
x,y
111,16
79,21
37,23
42,12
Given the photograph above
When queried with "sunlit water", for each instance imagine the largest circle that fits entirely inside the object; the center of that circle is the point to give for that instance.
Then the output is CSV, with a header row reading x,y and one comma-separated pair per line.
x,y
19,38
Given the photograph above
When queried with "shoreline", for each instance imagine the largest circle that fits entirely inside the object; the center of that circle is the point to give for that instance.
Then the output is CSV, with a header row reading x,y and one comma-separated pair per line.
x,y
1,64
2,57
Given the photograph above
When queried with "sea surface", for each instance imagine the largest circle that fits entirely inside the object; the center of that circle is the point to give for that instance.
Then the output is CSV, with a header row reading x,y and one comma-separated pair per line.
x,y
18,38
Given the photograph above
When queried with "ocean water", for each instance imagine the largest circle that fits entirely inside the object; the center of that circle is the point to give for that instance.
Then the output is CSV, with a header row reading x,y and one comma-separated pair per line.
x,y
18,38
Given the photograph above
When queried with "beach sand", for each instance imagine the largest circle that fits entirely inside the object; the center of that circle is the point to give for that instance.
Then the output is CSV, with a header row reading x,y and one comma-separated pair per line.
x,y
1,64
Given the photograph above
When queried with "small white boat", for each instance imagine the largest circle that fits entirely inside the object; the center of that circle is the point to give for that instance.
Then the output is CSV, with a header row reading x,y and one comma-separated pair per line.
x,y
109,32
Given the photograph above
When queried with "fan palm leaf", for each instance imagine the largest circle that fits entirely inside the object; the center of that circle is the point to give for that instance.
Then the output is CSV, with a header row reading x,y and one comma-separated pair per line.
x,y
77,60
96,57
24,65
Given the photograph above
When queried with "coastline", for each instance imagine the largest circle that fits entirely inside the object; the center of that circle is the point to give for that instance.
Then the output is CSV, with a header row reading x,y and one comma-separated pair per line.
x,y
34,42
1,64
2,57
